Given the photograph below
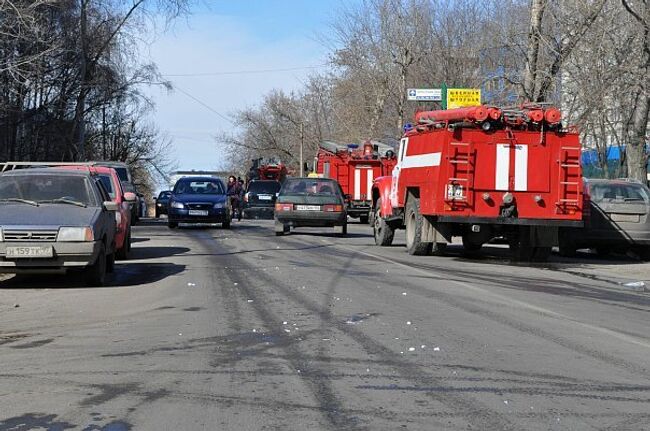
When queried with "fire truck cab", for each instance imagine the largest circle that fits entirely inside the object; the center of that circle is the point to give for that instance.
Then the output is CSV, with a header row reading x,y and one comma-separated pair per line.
x,y
355,169
481,173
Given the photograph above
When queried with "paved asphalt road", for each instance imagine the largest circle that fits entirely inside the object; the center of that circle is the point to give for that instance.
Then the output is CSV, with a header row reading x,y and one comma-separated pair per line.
x,y
239,330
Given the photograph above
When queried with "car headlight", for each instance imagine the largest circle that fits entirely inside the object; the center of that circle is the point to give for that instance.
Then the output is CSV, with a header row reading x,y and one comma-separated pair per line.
x,y
76,234
159,204
219,205
177,205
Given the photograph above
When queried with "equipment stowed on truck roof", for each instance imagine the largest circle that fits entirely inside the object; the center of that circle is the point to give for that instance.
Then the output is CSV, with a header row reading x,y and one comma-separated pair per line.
x,y
479,173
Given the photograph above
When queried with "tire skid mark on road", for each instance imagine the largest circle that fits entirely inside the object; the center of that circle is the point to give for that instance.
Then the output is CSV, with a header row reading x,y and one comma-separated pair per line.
x,y
331,406
452,300
469,409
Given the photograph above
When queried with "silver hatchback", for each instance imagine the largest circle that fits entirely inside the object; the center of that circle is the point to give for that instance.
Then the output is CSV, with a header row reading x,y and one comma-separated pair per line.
x,y
617,218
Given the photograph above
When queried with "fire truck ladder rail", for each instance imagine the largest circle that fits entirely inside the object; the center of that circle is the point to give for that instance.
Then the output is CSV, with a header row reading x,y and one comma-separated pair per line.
x,y
569,178
461,171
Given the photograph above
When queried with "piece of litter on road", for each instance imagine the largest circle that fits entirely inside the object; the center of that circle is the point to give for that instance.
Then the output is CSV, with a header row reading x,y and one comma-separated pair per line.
x,y
367,370
436,349
408,323
250,300
254,330
191,284
505,401
326,339
180,333
284,323
422,346
277,246
397,338
16,305
635,285
401,353
404,293
235,284
287,330
411,349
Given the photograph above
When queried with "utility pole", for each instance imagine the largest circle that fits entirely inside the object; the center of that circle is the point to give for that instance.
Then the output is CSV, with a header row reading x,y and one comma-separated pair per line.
x,y
302,143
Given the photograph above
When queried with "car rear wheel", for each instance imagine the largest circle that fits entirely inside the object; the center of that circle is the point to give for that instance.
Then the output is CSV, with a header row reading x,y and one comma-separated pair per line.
x,y
414,223
384,233
123,253
226,223
172,225
344,229
96,273
363,219
281,228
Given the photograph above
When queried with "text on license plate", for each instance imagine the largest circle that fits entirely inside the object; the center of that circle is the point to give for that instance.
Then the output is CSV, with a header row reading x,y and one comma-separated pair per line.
x,y
198,212
264,197
29,252
307,208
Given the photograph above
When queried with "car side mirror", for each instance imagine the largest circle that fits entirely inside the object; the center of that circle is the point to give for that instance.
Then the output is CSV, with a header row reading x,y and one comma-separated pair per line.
x,y
130,197
110,206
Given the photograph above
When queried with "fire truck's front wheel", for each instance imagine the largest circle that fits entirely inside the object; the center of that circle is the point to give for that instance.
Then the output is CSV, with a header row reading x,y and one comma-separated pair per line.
x,y
414,224
384,233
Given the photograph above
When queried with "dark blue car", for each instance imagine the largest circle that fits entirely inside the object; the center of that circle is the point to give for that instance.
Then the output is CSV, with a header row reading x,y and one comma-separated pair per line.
x,y
199,200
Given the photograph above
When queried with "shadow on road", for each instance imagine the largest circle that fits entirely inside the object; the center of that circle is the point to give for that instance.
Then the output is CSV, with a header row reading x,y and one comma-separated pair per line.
x,y
125,274
156,252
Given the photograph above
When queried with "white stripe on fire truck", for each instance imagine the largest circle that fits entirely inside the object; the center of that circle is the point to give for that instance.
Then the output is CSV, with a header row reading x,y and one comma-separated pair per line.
x,y
521,168
420,161
502,167
357,184
370,178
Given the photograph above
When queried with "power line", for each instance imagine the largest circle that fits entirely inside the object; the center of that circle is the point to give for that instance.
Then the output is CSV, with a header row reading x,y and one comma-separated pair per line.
x,y
244,72
205,105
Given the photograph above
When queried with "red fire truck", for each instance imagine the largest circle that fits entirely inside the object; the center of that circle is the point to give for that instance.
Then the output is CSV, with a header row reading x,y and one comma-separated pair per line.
x,y
266,170
482,173
355,169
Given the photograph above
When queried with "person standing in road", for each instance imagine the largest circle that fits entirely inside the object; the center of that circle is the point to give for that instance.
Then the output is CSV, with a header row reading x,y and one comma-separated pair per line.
x,y
242,192
233,192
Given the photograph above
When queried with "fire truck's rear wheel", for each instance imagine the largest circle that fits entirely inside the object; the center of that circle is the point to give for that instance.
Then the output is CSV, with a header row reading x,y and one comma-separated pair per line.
x,y
414,224
384,233
363,219
471,248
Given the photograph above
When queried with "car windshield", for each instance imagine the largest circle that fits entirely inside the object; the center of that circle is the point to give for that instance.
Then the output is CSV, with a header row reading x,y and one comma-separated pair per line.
x,y
198,187
107,181
59,188
619,192
309,186
164,195
264,187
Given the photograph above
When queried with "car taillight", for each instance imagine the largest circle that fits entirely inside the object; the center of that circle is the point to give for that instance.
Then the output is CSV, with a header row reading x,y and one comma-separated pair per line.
x,y
283,207
332,208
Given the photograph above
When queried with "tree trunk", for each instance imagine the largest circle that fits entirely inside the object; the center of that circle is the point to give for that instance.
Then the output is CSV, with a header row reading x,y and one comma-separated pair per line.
x,y
534,34
637,158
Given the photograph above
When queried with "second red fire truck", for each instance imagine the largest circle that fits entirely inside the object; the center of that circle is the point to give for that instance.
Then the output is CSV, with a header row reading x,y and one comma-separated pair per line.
x,y
355,168
481,173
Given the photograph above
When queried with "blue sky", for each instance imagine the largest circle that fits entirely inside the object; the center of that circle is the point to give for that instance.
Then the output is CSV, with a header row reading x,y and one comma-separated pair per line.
x,y
227,36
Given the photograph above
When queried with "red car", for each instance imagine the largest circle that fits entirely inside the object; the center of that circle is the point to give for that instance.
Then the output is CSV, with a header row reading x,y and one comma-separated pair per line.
x,y
124,200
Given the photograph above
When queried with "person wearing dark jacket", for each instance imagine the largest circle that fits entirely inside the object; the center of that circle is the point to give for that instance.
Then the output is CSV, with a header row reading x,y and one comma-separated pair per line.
x,y
234,193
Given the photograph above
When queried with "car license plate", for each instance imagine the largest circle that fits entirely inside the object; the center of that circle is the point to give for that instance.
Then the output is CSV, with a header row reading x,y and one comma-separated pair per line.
x,y
29,252
198,212
307,207
264,197
630,218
